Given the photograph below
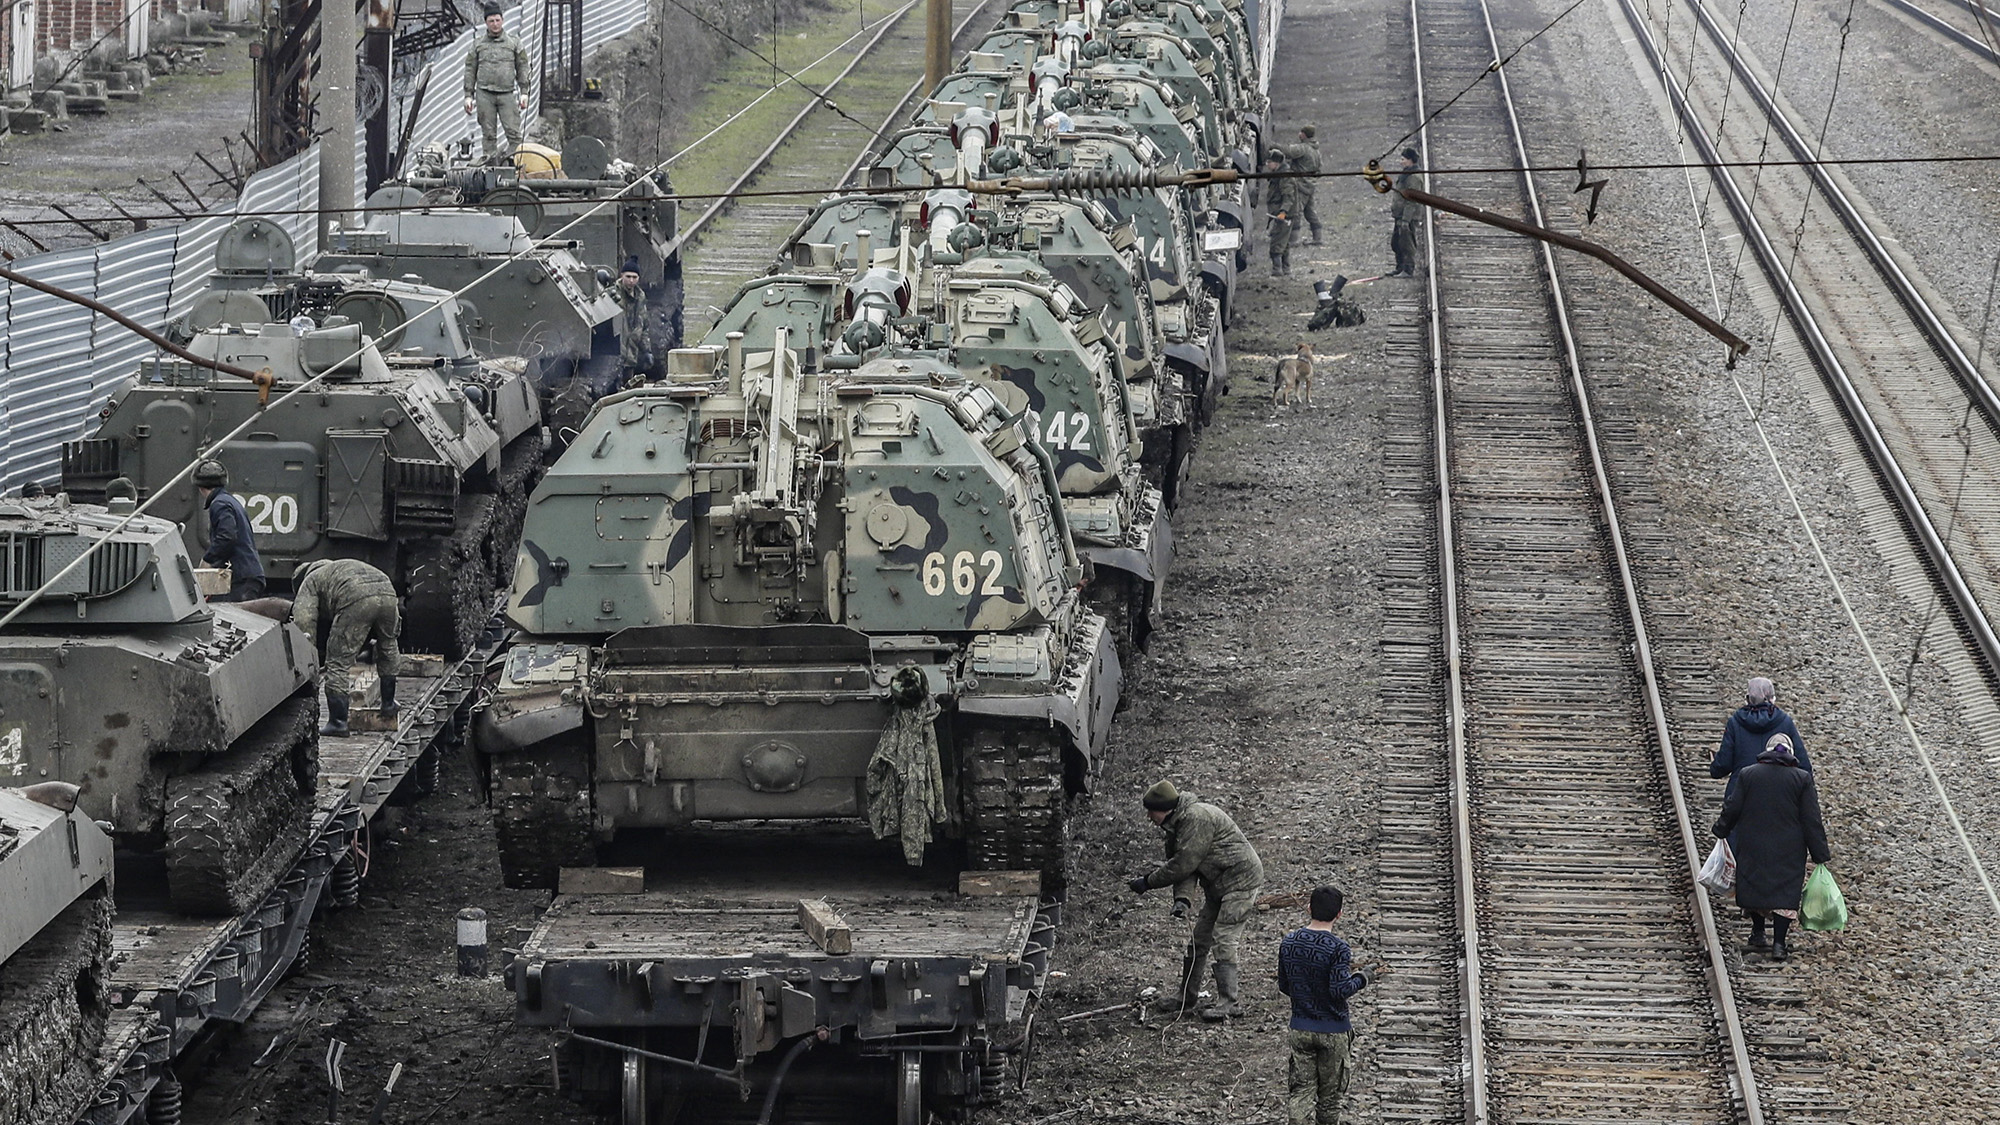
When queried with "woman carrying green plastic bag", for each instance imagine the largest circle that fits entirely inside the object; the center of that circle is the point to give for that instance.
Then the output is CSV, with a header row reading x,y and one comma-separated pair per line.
x,y
1774,812
1823,907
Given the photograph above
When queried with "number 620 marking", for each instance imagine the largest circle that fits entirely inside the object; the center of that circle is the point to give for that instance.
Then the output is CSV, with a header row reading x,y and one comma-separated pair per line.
x,y
963,574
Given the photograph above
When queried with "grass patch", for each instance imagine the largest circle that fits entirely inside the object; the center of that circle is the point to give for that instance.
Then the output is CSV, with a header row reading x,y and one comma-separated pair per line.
x,y
717,161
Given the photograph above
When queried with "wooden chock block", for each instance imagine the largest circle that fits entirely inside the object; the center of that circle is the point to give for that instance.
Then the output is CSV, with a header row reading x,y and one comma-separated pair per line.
x,y
370,720
602,881
987,884
824,925
422,664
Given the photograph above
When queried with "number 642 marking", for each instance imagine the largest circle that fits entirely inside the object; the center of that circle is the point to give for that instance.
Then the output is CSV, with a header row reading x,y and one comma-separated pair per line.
x,y
963,573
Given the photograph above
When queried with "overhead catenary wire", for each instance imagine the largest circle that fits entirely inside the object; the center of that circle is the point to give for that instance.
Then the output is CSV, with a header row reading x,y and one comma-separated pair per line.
x,y
817,191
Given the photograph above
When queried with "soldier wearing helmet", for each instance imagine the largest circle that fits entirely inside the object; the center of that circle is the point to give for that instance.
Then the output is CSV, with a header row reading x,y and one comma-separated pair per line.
x,y
230,542
357,601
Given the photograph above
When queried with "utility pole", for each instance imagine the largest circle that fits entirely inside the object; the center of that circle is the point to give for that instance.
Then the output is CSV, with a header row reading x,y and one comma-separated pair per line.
x,y
937,43
339,40
378,48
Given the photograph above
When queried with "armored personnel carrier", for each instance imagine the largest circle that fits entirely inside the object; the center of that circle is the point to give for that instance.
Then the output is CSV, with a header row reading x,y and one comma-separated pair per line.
x,y
785,587
188,727
392,461
612,210
55,947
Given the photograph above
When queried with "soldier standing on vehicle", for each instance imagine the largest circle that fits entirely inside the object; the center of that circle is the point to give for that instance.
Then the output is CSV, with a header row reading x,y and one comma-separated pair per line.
x,y
497,83
1304,157
1280,213
1205,848
359,601
635,352
230,542
1403,238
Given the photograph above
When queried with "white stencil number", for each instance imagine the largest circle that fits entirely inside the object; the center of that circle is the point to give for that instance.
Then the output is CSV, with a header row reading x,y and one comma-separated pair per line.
x,y
1068,431
272,515
960,573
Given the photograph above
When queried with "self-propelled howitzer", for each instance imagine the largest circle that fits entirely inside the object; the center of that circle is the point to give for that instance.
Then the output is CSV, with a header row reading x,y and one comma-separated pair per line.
x,y
770,590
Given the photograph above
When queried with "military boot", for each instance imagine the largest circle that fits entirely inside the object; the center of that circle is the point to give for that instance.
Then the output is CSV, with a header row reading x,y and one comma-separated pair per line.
x,y
1226,1003
336,715
1190,995
389,708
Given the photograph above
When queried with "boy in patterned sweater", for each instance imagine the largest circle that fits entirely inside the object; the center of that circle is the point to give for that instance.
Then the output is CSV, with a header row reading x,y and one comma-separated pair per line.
x,y
1316,969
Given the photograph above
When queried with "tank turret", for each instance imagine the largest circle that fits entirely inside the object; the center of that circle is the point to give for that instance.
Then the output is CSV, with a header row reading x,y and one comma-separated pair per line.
x,y
737,570
122,680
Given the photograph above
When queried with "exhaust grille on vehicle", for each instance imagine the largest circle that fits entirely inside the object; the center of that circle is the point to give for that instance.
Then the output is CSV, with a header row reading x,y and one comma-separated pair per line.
x,y
115,566
20,564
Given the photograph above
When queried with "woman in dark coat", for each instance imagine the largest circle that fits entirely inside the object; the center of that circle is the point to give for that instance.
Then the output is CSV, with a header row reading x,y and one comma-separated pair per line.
x,y
1774,812
1747,732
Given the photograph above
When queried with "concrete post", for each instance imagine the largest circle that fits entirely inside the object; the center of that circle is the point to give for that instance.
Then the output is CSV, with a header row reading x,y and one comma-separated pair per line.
x,y
340,36
472,942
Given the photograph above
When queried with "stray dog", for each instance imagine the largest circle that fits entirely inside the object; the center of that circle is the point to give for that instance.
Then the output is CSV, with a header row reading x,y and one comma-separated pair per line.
x,y
1293,384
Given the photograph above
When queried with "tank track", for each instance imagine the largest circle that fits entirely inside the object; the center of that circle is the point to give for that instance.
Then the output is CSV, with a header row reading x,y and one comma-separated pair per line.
x,y
235,822
567,407
542,813
1122,598
1015,805
52,1015
450,592
520,468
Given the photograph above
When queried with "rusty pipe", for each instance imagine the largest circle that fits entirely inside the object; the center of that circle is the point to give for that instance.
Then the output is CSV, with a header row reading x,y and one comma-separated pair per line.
x,y
261,377
1737,346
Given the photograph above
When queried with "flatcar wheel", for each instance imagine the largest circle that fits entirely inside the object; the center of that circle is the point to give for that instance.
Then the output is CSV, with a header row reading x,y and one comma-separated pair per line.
x,y
910,1088
632,1092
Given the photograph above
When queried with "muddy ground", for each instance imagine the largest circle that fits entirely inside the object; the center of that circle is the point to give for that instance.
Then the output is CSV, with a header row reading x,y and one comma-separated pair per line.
x,y
93,165
1263,691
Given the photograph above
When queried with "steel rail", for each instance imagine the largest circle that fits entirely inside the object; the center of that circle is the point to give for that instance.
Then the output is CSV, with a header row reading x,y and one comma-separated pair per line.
x,y
1471,1004
1944,568
1937,23
1642,651
1920,310
689,234
903,107
1717,973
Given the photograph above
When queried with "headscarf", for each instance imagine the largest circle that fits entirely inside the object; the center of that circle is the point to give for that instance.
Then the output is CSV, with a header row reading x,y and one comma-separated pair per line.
x,y
1759,690
1778,750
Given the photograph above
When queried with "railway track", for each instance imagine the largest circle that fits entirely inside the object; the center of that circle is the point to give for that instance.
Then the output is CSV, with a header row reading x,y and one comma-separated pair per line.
x,y
1921,412
1593,984
732,241
1981,37
1926,413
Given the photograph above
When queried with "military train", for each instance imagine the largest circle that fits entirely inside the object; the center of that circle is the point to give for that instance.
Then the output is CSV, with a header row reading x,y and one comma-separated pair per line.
x,y
877,549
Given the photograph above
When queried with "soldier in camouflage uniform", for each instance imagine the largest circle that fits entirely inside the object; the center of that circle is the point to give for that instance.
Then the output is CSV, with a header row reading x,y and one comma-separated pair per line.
x,y
1281,214
1205,849
359,601
498,80
635,352
1304,157
1403,239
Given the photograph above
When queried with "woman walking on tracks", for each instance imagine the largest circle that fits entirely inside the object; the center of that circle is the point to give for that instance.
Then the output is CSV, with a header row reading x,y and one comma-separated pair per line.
x,y
1773,810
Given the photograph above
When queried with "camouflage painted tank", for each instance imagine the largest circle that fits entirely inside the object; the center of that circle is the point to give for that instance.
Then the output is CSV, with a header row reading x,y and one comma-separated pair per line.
x,y
391,461
792,585
55,949
188,727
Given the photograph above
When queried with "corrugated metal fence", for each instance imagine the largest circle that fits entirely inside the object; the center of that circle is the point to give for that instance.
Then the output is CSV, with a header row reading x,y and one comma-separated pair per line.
x,y
59,361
